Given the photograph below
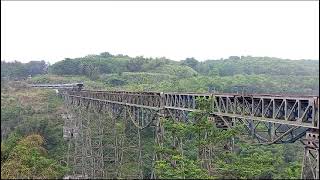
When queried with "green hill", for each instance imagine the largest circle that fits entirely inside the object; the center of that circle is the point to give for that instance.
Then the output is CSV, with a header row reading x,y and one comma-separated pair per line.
x,y
235,74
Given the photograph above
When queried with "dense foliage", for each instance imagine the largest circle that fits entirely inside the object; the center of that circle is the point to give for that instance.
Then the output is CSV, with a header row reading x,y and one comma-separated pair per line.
x,y
184,143
28,159
30,116
181,153
24,113
235,74
22,70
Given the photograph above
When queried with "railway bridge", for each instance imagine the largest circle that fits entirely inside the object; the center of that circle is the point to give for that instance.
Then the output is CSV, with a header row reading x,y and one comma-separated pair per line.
x,y
105,129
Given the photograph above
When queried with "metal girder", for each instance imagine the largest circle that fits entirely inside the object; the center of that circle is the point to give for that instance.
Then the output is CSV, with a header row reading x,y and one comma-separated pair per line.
x,y
123,117
310,165
292,110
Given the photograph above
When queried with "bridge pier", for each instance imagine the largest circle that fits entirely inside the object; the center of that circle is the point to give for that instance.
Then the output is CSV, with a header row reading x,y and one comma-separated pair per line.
x,y
131,152
269,119
158,139
271,131
95,138
310,164
79,149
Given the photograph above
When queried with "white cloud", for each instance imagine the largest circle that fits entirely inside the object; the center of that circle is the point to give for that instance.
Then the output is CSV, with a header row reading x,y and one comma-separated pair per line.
x,y
204,30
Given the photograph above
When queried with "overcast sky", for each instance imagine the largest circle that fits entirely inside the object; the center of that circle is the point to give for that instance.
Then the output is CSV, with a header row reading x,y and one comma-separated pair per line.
x,y
55,30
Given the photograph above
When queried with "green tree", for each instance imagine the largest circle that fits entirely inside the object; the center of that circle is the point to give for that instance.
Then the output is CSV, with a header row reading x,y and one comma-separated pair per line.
x,y
29,160
191,62
183,143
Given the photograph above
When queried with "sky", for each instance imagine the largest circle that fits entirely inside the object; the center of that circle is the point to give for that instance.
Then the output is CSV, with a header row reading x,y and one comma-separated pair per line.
x,y
55,30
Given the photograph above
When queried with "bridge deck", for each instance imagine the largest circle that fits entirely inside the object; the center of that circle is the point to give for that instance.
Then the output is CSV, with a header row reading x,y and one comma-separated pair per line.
x,y
302,111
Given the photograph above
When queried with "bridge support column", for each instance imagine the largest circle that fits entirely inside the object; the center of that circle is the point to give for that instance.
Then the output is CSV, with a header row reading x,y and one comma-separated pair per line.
x,y
271,131
79,147
97,146
159,138
310,164
233,124
88,145
131,151
109,145
252,128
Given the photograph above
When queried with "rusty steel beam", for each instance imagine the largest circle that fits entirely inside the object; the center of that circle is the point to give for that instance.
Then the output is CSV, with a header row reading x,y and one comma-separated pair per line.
x,y
269,119
301,111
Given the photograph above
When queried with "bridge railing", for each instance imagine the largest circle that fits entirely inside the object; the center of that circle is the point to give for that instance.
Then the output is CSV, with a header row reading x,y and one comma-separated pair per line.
x,y
145,99
298,111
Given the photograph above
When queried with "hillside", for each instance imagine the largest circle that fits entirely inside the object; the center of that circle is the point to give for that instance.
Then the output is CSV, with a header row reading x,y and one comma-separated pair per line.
x,y
31,133
235,74
33,147
33,116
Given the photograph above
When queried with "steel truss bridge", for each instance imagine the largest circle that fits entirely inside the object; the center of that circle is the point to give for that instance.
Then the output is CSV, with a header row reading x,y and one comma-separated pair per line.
x,y
105,128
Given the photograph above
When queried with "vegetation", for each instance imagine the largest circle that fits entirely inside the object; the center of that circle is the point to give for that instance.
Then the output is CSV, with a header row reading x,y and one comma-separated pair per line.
x,y
28,159
181,160
31,126
22,70
235,74
248,162
31,118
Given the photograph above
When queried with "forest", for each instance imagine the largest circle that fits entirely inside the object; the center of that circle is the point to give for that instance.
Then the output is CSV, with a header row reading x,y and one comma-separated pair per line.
x,y
31,125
